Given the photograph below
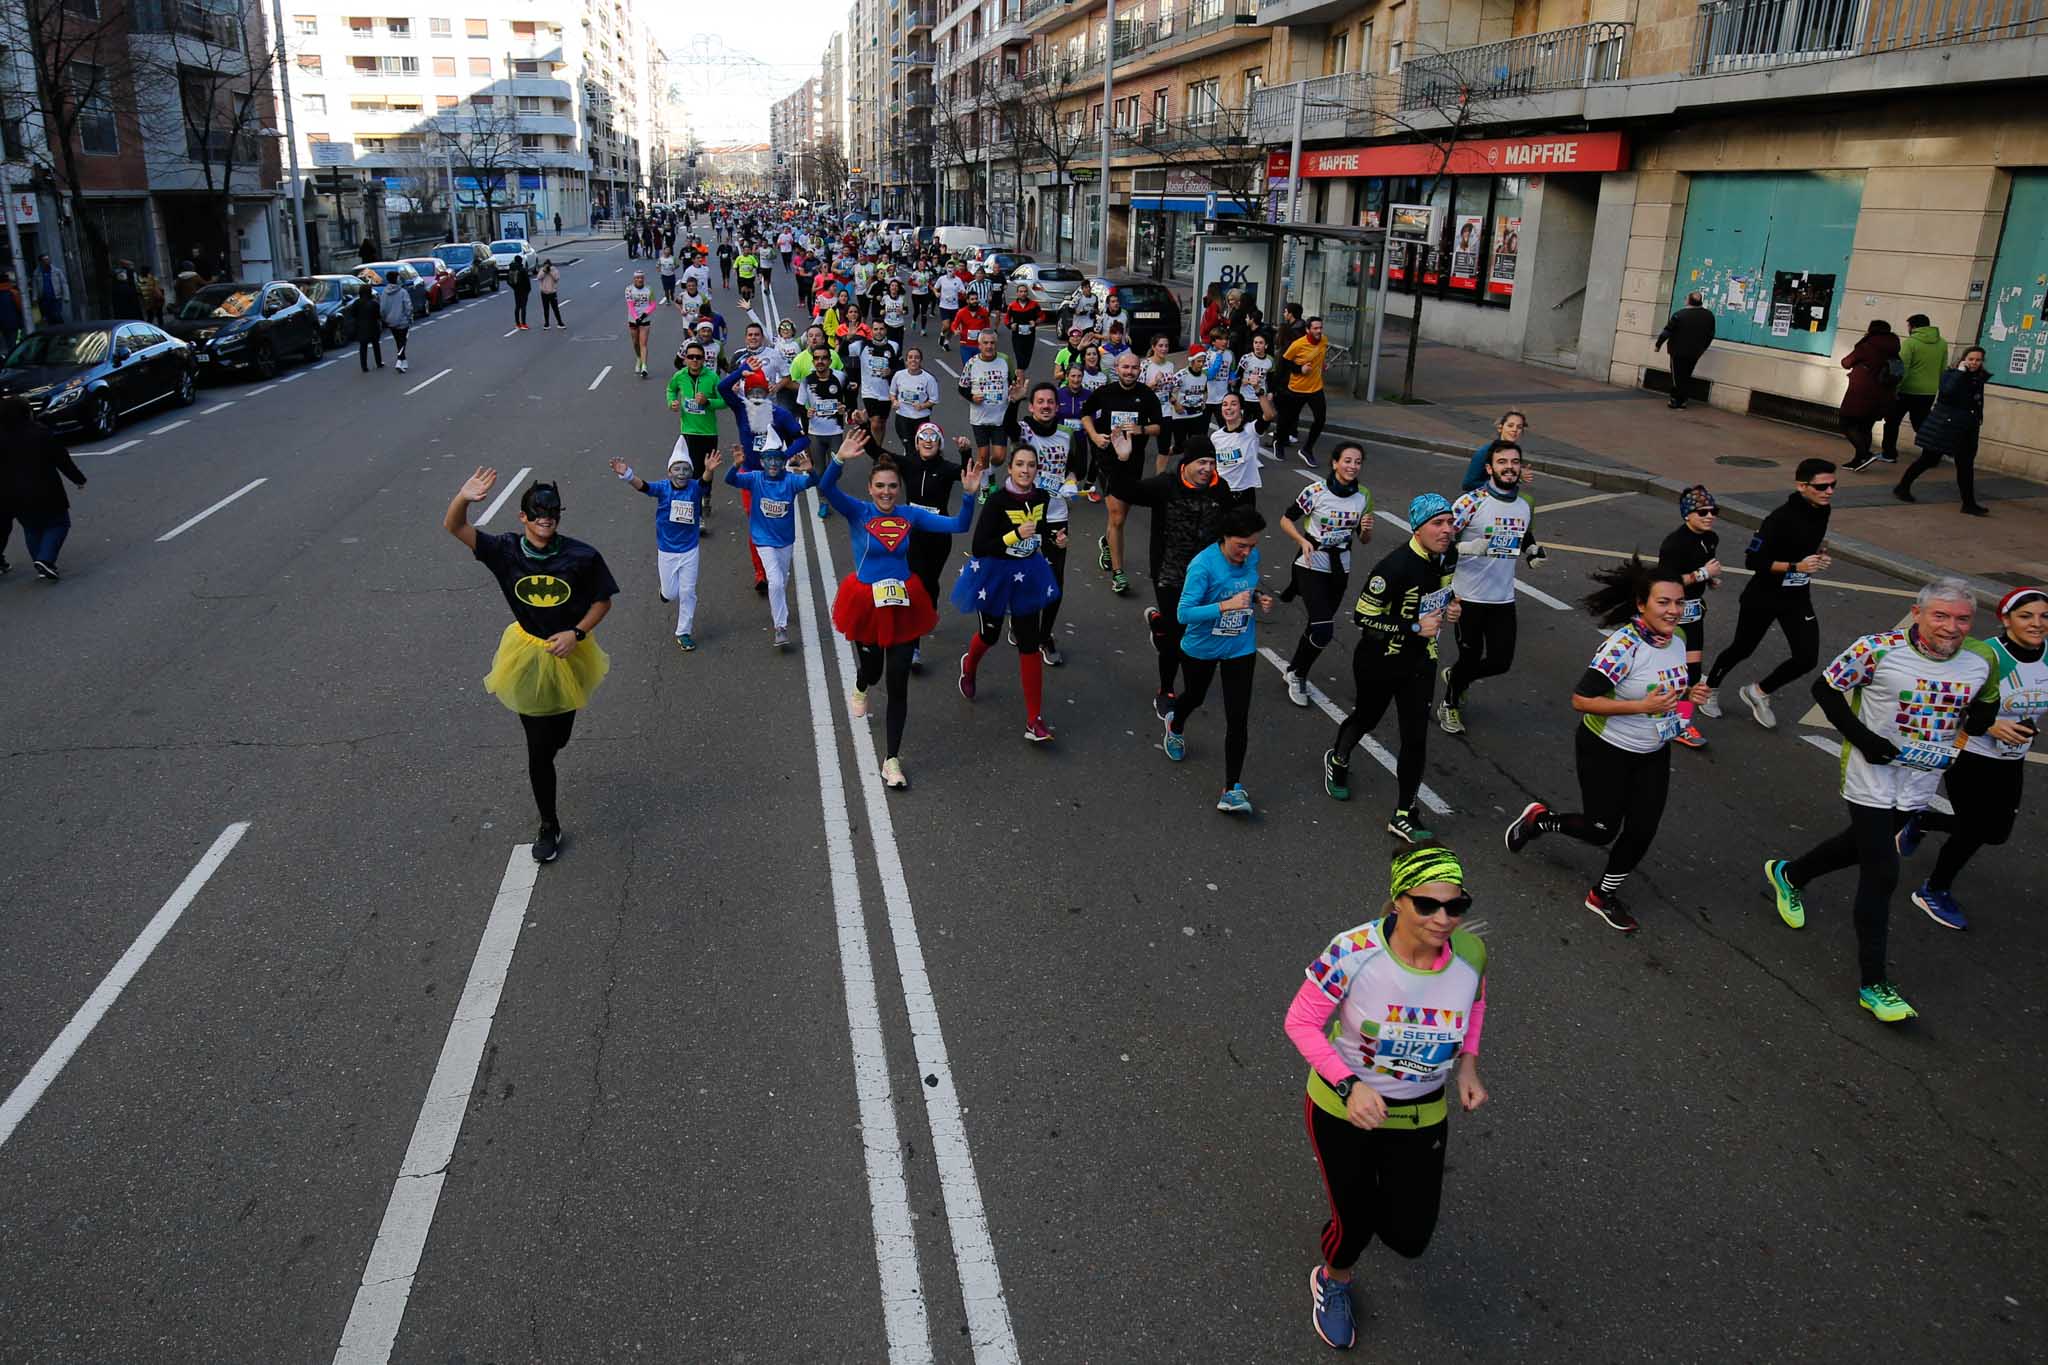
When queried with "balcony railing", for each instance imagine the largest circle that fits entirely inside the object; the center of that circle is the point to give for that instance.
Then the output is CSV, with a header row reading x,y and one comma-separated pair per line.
x,y
1741,35
1338,106
1210,128
186,19
1561,59
917,17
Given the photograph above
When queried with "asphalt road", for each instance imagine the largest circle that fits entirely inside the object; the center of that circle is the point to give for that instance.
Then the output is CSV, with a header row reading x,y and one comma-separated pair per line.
x,y
768,1067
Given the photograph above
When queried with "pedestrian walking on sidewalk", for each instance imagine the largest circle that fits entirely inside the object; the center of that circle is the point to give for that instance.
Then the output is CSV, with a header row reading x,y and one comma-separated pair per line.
x,y
32,487
367,315
522,286
1786,551
1687,333
1951,429
394,305
550,281
1875,370
1924,353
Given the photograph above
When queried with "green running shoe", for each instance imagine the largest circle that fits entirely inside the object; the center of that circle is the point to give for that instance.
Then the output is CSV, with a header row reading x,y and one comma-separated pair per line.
x,y
1884,1001
1791,905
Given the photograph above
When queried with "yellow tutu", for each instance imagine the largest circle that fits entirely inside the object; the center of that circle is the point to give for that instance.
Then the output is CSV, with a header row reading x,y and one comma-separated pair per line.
x,y
533,682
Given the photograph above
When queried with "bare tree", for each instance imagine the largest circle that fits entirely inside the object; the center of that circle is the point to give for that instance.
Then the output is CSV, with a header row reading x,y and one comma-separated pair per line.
x,y
423,179
1438,124
955,121
1212,142
1059,138
484,140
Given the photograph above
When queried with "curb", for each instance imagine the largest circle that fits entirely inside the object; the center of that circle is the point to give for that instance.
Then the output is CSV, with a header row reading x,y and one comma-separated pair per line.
x,y
1621,478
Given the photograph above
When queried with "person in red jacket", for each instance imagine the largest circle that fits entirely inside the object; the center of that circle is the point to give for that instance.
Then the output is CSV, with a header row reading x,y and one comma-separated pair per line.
x,y
1874,373
968,325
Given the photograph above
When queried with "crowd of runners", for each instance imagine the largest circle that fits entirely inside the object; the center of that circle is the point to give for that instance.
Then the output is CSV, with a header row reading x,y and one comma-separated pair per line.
x,y
842,402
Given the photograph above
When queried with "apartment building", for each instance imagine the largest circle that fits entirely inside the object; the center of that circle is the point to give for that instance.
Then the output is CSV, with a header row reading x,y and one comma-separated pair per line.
x,y
1805,167
551,112
792,134
865,102
832,98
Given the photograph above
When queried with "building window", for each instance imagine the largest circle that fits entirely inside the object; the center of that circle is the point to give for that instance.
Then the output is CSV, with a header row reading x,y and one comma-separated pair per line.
x,y
441,28
313,104
1159,99
1770,254
398,28
308,25
361,28
444,66
1254,82
529,142
309,62
529,104
522,28
447,101
1340,54
480,66
1397,18
97,133
480,101
477,28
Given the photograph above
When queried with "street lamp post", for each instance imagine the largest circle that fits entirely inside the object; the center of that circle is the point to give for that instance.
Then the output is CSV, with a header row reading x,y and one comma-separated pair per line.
x,y
302,241
1108,118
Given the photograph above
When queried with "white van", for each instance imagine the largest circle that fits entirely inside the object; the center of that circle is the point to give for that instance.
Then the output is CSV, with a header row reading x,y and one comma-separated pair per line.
x,y
956,239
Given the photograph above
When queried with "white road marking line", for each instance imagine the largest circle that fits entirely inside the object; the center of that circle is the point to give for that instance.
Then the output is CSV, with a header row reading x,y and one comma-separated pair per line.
x,y
1730,569
944,366
513,333
110,450
325,363
600,378
257,392
503,493
169,426
903,1306
379,1307
188,524
1549,507
974,1255
208,412
1379,752
24,1095
296,374
424,382
594,283
1541,596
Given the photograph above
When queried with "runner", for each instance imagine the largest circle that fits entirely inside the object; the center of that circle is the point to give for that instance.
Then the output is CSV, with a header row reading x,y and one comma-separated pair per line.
x,y
1509,428
1493,526
952,287
725,259
1629,696
1159,374
666,268
921,297
1306,353
1188,399
826,397
1785,552
1007,575
1406,603
878,359
1218,372
678,515
1130,407
1255,382
968,325
1903,700
989,385
772,491
1068,356
547,666
1691,553
693,393
639,318
1389,1017
764,425
1041,427
928,482
913,395
1023,316
1187,505
1073,399
1984,782
1236,444
1329,515
1220,636
883,607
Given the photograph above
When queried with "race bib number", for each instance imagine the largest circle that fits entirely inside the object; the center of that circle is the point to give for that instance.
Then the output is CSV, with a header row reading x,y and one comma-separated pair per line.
x,y
1023,549
1025,329
1414,1052
1695,609
1503,544
1795,579
1434,602
694,407
774,507
1234,622
1927,758
1669,725
825,407
1334,540
682,513
1119,420
890,592
760,442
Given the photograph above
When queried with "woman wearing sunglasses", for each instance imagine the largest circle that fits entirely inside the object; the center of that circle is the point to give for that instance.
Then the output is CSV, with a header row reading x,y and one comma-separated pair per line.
x,y
1692,552
1388,1018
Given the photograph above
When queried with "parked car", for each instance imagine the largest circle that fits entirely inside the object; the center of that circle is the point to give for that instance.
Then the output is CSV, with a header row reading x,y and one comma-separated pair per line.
x,y
249,326
1147,307
331,296
505,248
441,289
475,268
957,239
87,376
414,283
1052,287
1006,258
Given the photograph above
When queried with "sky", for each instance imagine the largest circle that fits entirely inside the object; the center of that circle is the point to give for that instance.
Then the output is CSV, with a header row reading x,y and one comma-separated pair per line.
x,y
730,103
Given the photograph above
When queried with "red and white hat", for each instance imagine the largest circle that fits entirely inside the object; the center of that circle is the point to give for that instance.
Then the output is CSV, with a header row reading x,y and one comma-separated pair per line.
x,y
2018,598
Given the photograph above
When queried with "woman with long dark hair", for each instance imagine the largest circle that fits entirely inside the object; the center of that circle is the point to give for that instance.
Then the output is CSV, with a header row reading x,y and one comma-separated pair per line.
x,y
1951,429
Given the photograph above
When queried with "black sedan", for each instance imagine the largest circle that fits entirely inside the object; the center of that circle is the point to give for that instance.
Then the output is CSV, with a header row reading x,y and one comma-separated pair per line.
x,y
1145,307
474,269
249,326
87,376
331,296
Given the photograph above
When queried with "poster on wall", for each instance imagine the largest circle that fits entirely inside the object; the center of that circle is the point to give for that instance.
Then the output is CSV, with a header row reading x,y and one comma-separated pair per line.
x,y
1507,244
1465,252
1805,300
1781,320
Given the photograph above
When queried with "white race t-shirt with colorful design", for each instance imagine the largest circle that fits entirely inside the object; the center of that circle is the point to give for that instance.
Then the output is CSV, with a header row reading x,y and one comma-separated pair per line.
x,y
988,390
1237,456
1330,520
1254,376
2022,696
1398,1026
1637,666
1490,532
1915,702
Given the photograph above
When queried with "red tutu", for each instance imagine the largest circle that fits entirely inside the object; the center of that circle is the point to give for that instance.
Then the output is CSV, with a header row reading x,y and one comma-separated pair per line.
x,y
855,615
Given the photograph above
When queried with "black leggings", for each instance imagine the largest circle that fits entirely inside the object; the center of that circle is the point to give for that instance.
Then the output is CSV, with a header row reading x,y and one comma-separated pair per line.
x,y
551,307
873,662
920,309
1025,628
1486,646
546,736
1623,794
928,555
1322,592
1867,846
1753,622
1986,794
519,307
1166,633
1024,345
1384,1181
1290,406
1237,705
1966,470
1410,698
368,346
1055,555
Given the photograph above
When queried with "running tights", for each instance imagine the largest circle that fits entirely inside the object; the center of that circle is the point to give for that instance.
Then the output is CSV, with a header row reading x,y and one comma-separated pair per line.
x,y
1237,705
1753,622
1024,345
1030,668
1623,795
1166,634
1867,846
1986,795
1322,592
928,555
551,307
1384,1181
873,663
1486,646
1290,406
1055,555
546,736
518,309
1410,698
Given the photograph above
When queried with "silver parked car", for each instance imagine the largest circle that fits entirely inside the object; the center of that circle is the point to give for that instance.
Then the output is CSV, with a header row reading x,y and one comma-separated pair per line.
x,y
1051,287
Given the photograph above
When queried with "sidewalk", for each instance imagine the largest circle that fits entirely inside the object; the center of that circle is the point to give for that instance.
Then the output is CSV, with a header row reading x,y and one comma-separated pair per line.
x,y
1621,438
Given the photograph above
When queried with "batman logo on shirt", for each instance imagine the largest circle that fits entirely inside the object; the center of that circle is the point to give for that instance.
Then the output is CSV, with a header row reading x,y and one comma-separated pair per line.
x,y
890,532
541,590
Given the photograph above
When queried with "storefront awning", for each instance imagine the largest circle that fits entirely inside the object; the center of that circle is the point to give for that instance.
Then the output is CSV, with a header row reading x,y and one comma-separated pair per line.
x,y
1176,203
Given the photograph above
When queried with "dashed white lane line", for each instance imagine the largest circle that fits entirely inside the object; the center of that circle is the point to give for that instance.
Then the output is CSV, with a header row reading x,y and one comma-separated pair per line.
x,y
110,450
253,393
504,493
191,522
379,1308
325,363
974,1255
169,426
1379,752
208,412
594,284
904,1319
940,362
24,1095
600,378
290,378
513,333
1585,502
1528,590
424,382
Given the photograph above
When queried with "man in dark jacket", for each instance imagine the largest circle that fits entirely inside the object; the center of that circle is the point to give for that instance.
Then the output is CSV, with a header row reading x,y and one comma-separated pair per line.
x,y
1689,332
1786,551
1187,505
32,471
369,324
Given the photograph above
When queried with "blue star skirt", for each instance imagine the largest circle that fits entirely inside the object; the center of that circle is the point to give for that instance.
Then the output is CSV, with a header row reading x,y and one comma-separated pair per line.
x,y
997,585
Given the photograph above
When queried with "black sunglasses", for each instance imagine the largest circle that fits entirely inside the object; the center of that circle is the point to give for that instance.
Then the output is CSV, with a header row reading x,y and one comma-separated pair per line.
x,y
1822,487
1454,907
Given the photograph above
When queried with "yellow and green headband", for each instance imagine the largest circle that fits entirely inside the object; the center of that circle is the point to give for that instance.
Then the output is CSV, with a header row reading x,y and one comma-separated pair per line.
x,y
1415,867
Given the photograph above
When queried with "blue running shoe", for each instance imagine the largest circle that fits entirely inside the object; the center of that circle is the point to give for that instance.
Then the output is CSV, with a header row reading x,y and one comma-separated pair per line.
x,y
1330,1310
1941,907
1235,801
1909,835
1176,746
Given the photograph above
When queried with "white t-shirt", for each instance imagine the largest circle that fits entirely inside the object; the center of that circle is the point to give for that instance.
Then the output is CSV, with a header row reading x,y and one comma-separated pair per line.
x,y
1254,375
875,359
2022,696
1490,532
1053,453
1160,379
826,409
915,395
1637,666
988,389
949,291
1330,520
1219,370
1399,1027
1915,702
1190,394
895,310
1237,456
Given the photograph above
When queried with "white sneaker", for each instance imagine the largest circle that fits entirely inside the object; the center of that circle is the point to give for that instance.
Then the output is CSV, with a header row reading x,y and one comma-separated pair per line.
x,y
1297,688
1759,706
782,637
857,703
1711,707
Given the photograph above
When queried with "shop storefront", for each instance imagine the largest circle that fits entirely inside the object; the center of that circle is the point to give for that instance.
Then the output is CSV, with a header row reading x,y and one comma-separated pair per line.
x,y
1167,211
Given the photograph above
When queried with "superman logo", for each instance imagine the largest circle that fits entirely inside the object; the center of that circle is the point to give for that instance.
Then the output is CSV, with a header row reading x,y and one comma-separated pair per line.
x,y
891,532
541,590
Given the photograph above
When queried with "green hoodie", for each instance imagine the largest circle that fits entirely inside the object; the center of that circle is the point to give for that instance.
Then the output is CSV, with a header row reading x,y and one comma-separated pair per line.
x,y
1925,355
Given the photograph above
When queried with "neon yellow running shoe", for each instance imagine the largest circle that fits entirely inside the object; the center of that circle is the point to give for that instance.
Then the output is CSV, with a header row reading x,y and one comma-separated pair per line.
x,y
1791,905
1884,1001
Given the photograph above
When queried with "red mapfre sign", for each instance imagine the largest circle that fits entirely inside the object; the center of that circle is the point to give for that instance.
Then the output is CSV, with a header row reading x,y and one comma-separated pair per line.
x,y
1554,155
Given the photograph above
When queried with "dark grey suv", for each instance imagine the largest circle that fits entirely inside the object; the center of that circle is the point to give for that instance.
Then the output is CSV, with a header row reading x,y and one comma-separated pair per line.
x,y
472,264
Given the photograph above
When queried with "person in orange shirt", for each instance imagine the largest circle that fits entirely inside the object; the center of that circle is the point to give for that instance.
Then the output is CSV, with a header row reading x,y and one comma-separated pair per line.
x,y
1305,354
